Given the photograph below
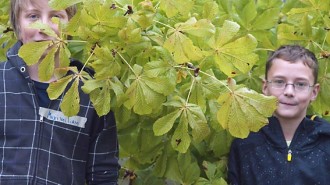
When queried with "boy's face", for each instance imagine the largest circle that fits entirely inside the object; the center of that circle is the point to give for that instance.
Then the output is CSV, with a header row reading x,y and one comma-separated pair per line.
x,y
38,10
293,103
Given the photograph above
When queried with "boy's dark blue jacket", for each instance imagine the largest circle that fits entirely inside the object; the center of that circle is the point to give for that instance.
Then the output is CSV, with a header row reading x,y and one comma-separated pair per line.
x,y
262,158
38,148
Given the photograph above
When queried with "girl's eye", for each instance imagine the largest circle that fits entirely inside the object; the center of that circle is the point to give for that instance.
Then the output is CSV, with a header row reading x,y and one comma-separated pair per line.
x,y
33,17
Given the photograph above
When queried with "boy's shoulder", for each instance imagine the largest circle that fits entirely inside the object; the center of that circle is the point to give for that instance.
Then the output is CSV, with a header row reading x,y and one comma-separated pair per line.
x,y
321,124
253,140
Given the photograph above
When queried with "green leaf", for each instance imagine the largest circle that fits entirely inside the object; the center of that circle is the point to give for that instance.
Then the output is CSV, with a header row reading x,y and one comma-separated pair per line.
x,y
137,93
306,26
181,139
318,105
244,110
174,7
130,34
56,88
189,168
220,142
161,164
182,48
197,95
156,68
237,56
228,31
61,5
247,12
210,10
45,28
288,33
201,28
105,65
145,15
70,104
46,67
64,54
198,123
165,123
101,100
267,19
161,84
31,52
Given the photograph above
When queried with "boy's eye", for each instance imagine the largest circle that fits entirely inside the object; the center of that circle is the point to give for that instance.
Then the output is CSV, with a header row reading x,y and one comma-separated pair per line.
x,y
279,82
58,16
301,84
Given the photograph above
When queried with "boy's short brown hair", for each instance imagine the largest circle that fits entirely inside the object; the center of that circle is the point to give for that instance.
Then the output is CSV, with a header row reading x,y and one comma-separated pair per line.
x,y
293,54
16,8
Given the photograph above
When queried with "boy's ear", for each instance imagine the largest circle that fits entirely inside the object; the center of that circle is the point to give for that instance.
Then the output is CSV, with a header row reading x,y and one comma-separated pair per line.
x,y
264,87
315,92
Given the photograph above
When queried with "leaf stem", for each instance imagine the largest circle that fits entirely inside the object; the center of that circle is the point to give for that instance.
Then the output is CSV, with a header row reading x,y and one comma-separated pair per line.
x,y
204,73
77,41
263,49
87,61
164,24
127,63
190,90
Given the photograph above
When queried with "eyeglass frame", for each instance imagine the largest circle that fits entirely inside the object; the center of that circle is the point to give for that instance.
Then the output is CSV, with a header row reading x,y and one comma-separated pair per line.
x,y
293,84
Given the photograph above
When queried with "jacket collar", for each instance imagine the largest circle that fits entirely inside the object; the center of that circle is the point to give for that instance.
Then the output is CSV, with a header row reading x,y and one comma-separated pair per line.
x,y
15,60
306,135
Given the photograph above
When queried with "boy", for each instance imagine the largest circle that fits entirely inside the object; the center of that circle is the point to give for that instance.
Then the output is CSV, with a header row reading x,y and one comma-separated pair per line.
x,y
292,149
37,144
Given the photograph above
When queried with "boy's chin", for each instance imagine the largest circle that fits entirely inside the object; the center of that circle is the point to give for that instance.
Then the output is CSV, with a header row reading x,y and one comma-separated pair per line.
x,y
288,115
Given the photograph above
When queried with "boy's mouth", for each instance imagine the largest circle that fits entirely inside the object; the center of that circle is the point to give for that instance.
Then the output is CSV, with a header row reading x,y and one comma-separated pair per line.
x,y
288,103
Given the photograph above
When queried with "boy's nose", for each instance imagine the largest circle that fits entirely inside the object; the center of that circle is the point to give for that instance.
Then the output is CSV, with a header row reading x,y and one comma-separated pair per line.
x,y
289,90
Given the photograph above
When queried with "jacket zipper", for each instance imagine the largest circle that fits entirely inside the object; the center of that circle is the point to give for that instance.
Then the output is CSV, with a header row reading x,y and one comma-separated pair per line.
x,y
39,131
289,156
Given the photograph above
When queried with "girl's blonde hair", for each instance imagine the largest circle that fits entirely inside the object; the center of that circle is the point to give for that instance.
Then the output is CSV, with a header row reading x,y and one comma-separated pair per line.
x,y
16,8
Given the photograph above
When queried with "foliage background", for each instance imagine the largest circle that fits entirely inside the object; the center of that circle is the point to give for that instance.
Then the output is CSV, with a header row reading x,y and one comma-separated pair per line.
x,y
183,77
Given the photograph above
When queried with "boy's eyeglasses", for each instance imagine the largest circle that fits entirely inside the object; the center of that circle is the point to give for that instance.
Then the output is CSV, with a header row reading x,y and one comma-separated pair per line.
x,y
298,86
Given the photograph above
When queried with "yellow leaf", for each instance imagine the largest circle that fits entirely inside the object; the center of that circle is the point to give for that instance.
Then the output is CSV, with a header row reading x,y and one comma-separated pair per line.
x,y
56,88
47,65
31,52
70,104
182,48
244,110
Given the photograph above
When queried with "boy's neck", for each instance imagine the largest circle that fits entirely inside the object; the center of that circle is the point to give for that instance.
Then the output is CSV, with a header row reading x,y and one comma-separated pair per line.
x,y
289,127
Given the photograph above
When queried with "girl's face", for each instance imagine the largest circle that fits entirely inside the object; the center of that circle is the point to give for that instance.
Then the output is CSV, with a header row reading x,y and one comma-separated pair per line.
x,y
38,11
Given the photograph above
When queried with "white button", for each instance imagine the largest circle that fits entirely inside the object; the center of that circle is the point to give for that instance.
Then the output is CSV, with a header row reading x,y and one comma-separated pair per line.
x,y
22,69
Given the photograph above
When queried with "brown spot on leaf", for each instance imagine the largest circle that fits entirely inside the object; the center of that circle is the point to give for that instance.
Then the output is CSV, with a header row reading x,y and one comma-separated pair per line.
x,y
178,141
129,10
